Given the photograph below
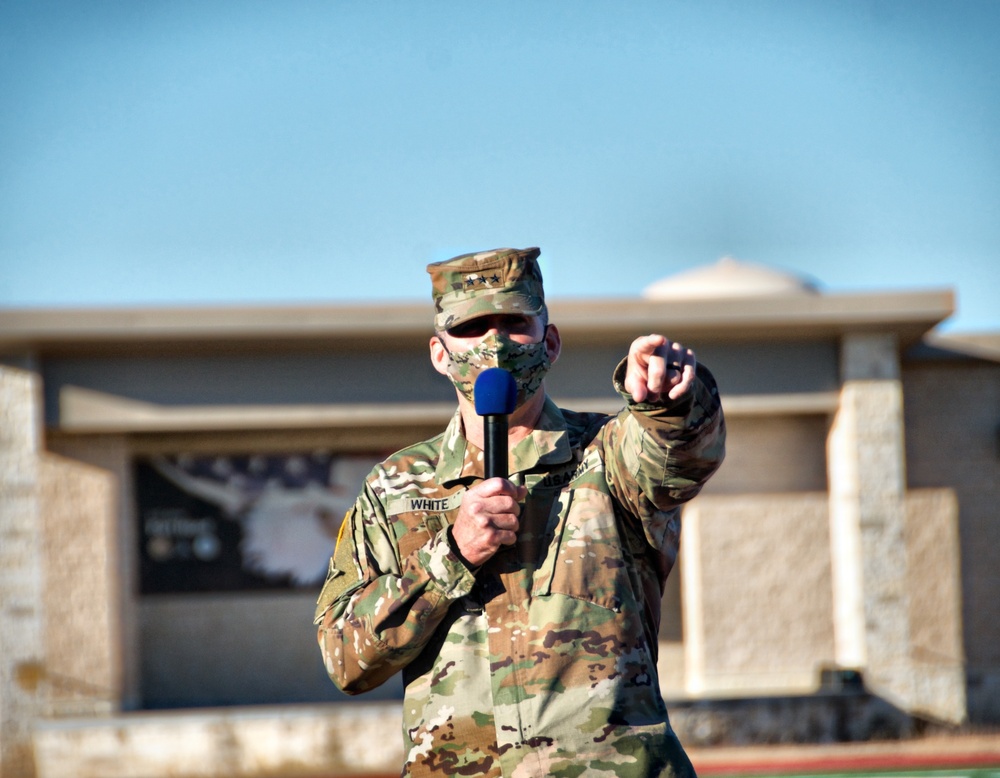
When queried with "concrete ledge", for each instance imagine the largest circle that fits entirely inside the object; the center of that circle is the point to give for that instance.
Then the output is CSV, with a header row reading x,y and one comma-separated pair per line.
x,y
767,736
342,740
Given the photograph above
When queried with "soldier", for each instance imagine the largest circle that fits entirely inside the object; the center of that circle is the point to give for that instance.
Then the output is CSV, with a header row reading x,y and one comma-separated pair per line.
x,y
524,612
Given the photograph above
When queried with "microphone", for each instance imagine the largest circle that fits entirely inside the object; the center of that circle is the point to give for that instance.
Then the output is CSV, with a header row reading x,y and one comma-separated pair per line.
x,y
495,395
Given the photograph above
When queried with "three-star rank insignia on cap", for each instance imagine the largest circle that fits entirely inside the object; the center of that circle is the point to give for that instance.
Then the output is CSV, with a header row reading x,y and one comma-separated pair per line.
x,y
491,279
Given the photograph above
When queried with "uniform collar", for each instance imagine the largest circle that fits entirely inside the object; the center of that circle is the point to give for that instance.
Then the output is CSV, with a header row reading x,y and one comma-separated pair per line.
x,y
547,444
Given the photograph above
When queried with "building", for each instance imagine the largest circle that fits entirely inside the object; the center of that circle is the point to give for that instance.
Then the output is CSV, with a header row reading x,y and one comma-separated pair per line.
x,y
171,481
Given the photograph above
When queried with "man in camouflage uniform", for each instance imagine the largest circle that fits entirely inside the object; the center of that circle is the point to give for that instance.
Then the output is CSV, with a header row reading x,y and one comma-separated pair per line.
x,y
524,612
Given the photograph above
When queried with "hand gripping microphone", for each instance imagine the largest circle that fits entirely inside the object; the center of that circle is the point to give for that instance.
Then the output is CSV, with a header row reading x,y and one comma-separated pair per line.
x,y
495,395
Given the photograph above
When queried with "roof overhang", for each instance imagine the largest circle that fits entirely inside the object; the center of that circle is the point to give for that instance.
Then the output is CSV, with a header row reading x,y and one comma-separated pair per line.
x,y
909,315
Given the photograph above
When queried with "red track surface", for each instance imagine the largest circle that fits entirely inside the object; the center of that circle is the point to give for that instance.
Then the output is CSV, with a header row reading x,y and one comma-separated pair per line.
x,y
958,753
943,754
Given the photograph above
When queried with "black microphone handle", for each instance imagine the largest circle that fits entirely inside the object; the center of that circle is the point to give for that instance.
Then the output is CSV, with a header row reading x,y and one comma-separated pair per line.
x,y
495,452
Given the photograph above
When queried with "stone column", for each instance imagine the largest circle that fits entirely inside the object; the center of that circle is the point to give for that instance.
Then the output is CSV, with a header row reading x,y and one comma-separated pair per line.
x,y
21,574
868,519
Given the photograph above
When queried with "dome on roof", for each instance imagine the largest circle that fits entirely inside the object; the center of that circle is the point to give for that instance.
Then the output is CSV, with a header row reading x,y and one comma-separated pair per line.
x,y
728,277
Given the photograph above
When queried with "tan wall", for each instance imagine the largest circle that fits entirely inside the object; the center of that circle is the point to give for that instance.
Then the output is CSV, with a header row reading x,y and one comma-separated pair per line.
x,y
758,597
252,648
107,457
766,454
81,588
933,582
932,545
952,415
22,649
757,592
953,439
763,454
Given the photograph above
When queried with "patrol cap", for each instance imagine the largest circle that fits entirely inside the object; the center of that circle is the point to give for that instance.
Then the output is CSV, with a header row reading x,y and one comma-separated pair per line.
x,y
486,282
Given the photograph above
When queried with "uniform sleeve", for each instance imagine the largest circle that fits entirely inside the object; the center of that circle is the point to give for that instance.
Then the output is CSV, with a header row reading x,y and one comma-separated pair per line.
x,y
377,610
660,455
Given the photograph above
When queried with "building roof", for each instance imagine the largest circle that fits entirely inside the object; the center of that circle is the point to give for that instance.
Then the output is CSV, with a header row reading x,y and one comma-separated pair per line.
x,y
908,314
983,346
724,301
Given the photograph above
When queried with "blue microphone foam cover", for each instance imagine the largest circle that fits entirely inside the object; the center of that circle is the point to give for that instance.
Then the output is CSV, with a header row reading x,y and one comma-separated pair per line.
x,y
495,392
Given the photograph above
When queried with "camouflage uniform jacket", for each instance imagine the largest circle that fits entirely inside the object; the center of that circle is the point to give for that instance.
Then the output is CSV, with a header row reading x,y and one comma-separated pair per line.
x,y
543,661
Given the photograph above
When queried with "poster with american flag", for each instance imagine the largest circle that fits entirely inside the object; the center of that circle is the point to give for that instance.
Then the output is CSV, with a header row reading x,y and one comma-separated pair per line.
x,y
229,522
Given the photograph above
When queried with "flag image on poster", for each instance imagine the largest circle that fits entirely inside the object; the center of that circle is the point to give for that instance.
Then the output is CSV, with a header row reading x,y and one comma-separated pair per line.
x,y
236,522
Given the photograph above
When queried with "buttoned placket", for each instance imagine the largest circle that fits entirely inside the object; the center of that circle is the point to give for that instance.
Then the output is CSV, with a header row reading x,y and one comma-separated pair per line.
x,y
500,583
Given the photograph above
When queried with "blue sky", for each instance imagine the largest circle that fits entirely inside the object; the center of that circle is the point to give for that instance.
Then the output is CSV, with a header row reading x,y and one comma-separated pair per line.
x,y
220,152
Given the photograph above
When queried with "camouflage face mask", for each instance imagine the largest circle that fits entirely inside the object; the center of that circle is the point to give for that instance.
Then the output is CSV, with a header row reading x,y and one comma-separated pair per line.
x,y
526,362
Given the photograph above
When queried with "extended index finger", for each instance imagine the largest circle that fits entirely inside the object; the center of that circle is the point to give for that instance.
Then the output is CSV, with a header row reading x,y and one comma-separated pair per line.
x,y
637,375
645,346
